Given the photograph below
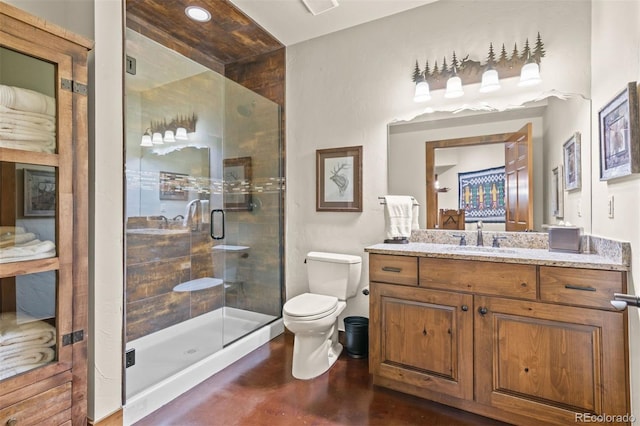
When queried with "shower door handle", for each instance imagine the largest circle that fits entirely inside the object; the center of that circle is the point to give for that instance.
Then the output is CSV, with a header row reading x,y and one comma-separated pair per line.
x,y
213,221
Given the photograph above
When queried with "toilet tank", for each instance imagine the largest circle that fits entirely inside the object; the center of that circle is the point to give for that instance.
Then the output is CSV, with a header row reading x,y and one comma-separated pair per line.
x,y
333,274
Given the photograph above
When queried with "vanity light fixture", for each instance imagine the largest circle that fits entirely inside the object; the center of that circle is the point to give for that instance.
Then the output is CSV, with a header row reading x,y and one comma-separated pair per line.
x,y
524,64
175,130
198,14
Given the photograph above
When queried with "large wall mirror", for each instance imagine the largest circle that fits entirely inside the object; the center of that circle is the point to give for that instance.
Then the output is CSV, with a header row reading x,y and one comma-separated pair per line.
x,y
454,161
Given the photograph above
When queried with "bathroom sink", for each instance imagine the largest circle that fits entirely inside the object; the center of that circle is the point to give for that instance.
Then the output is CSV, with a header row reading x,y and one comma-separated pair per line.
x,y
481,250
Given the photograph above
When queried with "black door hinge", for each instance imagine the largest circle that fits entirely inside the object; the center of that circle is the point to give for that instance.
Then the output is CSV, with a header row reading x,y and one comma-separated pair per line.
x,y
73,337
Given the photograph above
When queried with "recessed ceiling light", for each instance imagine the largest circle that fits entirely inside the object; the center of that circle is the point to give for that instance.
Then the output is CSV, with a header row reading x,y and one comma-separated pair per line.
x,y
197,13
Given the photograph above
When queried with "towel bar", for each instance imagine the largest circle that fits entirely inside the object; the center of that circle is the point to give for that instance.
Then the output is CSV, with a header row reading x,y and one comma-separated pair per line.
x,y
415,203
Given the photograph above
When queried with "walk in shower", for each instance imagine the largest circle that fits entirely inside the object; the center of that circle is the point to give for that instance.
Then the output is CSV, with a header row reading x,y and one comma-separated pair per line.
x,y
203,222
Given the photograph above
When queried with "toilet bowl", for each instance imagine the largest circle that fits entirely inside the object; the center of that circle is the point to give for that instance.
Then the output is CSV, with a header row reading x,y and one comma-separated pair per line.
x,y
313,317
316,346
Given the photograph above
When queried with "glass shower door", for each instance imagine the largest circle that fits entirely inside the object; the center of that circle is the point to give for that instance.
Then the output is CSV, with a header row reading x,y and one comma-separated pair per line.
x,y
203,240
250,204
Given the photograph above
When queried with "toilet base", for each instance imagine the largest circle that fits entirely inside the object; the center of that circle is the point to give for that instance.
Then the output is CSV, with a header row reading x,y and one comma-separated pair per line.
x,y
315,353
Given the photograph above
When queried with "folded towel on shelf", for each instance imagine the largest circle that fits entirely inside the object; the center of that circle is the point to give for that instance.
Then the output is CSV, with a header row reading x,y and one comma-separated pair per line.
x,y
4,230
28,145
33,333
10,372
27,356
8,240
35,117
25,133
27,100
45,139
398,215
35,249
20,121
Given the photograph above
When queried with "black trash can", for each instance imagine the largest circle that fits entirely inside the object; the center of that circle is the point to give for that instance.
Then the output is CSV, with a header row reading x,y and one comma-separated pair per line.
x,y
356,331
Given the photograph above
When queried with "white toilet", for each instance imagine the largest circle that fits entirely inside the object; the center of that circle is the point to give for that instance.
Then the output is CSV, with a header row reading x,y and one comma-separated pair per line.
x,y
313,317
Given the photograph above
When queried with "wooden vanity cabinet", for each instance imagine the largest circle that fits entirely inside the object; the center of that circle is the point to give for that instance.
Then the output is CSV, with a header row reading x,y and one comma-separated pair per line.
x,y
423,338
549,361
524,344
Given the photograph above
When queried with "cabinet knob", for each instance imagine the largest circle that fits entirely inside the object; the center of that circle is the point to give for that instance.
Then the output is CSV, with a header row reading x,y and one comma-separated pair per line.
x,y
482,310
465,308
12,422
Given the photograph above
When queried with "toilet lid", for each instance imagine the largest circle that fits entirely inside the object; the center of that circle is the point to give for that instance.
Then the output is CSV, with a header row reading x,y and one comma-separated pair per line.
x,y
309,304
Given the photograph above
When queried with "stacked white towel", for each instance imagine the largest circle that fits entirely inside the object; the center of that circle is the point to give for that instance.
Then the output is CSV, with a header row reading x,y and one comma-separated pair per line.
x,y
17,244
25,344
27,120
401,216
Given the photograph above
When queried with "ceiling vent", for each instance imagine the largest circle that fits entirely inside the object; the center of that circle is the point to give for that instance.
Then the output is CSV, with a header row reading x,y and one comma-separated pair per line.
x,y
317,7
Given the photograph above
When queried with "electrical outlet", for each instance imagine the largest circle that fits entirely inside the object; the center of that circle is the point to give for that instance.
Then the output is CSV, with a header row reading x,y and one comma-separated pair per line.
x,y
610,206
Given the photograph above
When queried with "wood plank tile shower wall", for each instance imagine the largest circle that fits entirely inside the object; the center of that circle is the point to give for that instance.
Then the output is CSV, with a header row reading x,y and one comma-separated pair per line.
x,y
156,263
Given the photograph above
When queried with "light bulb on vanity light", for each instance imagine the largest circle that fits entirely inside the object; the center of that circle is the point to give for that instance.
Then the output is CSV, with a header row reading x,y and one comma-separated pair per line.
x,y
168,136
146,139
422,92
157,138
490,81
454,86
181,134
530,74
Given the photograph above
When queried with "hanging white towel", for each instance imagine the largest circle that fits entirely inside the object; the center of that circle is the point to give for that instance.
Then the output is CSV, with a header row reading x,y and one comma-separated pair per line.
x,y
398,216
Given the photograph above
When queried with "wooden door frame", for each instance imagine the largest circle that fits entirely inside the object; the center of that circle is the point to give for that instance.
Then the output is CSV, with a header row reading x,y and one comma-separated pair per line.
x,y
430,154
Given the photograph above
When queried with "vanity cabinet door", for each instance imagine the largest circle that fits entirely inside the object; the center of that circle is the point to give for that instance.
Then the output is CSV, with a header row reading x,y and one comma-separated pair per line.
x,y
422,338
551,362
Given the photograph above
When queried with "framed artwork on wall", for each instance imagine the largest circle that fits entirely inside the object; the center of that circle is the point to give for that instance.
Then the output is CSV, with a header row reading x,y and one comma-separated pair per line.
x,y
572,163
619,138
339,179
237,183
39,193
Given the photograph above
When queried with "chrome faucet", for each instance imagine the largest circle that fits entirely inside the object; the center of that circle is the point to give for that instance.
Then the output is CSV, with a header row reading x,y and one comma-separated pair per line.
x,y
191,214
479,241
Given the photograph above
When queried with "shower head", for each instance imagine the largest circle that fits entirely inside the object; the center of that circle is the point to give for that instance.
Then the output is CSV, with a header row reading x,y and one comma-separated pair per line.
x,y
246,110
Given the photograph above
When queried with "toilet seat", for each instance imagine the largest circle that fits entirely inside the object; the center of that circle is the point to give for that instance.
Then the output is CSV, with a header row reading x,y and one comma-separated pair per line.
x,y
309,307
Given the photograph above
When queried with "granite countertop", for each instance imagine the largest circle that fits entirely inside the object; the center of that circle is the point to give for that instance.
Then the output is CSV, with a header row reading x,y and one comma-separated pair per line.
x,y
530,256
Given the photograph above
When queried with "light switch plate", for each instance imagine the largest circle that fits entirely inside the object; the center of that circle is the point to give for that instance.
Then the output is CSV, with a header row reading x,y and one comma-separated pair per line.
x,y
610,206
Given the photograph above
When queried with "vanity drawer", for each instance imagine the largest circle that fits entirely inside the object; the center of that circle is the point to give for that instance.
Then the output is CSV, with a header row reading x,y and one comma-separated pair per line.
x,y
490,278
393,269
581,287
